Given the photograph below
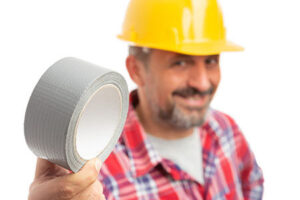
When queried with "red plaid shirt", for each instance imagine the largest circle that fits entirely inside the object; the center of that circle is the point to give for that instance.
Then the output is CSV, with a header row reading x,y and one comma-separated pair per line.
x,y
135,170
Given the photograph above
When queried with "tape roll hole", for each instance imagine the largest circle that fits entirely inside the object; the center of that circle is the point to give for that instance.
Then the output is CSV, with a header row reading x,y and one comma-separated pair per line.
x,y
98,121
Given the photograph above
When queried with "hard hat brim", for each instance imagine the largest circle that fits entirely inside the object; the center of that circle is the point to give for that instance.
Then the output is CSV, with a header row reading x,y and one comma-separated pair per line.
x,y
192,48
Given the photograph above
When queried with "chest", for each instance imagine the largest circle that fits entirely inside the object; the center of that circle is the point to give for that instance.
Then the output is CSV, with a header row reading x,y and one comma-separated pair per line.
x,y
221,183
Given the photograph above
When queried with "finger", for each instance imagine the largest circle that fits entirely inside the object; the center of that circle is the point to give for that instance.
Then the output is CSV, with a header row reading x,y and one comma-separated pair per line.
x,y
87,175
98,186
68,186
42,166
102,197
93,192
46,168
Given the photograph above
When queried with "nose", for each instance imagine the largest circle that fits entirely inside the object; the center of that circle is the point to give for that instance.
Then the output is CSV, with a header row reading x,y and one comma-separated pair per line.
x,y
199,77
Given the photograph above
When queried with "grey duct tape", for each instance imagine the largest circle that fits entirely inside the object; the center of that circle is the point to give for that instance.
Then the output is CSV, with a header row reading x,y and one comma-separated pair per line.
x,y
76,112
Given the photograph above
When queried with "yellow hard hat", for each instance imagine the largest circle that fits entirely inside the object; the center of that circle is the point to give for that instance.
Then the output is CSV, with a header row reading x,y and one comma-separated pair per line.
x,y
193,27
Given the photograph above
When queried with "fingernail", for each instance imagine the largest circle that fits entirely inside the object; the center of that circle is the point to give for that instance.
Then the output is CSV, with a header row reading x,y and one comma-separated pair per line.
x,y
97,164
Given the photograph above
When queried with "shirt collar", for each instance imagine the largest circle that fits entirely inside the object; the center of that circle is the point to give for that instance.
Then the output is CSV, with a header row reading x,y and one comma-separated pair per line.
x,y
141,153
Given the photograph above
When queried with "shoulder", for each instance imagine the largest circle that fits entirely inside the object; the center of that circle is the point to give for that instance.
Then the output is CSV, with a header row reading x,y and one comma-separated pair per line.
x,y
226,132
221,123
233,155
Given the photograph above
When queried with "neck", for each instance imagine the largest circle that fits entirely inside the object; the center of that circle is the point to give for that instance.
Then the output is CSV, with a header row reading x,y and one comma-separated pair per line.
x,y
158,128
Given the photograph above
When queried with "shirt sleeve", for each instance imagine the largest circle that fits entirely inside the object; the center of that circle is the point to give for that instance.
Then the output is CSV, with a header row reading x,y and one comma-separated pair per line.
x,y
250,173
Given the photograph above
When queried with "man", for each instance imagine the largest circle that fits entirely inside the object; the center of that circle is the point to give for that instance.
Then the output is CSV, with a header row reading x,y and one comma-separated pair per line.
x,y
173,146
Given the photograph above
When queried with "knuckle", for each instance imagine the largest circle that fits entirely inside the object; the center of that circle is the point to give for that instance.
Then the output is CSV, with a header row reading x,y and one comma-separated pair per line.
x,y
66,190
90,194
31,187
96,190
102,197
96,196
31,191
98,187
92,176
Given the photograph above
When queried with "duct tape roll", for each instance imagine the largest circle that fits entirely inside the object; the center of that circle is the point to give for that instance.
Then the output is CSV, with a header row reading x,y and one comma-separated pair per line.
x,y
76,112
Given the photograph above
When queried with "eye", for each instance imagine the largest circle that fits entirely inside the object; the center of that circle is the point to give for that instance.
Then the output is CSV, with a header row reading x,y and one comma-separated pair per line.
x,y
180,63
211,61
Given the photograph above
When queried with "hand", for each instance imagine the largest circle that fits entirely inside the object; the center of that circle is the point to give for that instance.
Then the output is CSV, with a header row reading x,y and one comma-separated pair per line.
x,y
53,182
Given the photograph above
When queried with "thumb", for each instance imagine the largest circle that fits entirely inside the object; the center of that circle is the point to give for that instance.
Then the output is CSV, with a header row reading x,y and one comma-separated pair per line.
x,y
95,163
87,175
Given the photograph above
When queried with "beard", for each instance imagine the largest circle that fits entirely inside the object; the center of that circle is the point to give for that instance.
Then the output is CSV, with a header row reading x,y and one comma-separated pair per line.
x,y
182,117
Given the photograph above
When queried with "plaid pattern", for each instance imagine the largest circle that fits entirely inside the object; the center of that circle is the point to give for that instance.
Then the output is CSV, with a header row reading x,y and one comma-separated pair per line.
x,y
134,170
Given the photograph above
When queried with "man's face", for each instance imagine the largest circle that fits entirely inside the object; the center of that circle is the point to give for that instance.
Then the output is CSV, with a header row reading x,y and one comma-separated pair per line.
x,y
179,88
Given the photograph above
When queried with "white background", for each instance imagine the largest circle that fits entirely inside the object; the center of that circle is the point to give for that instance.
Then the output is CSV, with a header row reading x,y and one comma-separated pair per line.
x,y
260,86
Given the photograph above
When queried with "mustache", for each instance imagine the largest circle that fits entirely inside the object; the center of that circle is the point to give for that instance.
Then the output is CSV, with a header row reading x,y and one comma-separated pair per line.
x,y
190,91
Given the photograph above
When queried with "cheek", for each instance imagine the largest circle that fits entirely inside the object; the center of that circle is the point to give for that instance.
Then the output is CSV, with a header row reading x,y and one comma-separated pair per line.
x,y
171,82
215,77
164,84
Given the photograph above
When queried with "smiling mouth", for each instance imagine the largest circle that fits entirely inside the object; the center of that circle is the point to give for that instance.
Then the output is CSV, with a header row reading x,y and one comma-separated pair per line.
x,y
195,101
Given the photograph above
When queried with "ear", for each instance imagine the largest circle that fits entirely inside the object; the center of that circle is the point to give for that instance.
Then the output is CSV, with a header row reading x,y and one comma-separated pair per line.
x,y
136,70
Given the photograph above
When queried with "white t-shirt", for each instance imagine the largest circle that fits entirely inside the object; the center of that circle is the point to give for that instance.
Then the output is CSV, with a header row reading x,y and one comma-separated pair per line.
x,y
185,152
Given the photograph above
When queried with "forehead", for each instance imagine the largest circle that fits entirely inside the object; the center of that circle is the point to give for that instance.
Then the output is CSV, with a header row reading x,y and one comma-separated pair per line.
x,y
169,55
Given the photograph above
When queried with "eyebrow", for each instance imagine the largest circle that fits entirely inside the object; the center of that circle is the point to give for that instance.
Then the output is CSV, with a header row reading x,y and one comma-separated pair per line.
x,y
179,55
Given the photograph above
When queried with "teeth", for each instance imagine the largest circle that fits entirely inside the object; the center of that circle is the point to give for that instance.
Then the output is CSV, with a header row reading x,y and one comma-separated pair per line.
x,y
193,98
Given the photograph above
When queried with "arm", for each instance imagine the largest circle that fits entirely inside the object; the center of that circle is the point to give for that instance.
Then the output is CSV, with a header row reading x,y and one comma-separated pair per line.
x,y
250,173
